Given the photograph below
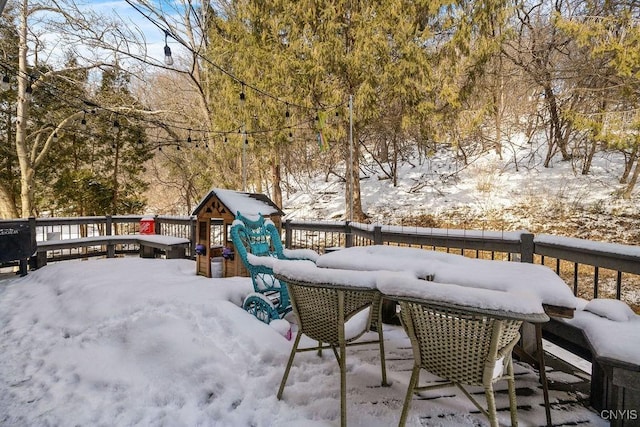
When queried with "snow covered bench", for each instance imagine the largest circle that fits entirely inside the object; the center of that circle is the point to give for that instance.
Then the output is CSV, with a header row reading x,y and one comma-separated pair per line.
x,y
173,247
607,332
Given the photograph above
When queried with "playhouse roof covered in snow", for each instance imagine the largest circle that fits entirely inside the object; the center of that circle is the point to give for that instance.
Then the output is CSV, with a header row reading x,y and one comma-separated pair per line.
x,y
237,201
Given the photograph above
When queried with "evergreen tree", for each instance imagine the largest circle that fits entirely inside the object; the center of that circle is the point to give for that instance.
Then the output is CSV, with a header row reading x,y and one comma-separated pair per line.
x,y
105,176
408,64
609,32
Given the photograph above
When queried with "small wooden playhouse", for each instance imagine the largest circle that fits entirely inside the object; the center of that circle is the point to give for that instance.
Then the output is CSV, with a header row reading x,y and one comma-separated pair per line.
x,y
223,205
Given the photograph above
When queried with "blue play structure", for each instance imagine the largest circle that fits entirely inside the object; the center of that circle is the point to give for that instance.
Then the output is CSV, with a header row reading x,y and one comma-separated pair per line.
x,y
270,299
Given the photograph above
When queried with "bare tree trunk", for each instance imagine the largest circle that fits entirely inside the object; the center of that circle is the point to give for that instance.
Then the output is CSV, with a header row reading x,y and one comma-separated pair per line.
x,y
348,182
114,200
358,214
498,106
632,182
276,179
555,126
26,169
586,167
628,164
7,206
394,172
498,124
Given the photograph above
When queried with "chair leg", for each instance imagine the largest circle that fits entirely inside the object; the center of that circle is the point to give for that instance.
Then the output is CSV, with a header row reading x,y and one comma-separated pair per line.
x,y
543,373
513,406
343,384
415,374
289,363
491,405
383,363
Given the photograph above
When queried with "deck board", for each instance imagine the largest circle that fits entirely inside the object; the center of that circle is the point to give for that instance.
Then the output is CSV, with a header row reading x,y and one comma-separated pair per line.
x,y
569,389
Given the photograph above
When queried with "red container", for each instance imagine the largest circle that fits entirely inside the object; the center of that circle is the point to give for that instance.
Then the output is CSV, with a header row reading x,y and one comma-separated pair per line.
x,y
147,226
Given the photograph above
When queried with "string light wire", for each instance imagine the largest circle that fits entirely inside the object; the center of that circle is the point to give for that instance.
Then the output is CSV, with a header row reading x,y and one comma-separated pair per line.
x,y
177,127
223,70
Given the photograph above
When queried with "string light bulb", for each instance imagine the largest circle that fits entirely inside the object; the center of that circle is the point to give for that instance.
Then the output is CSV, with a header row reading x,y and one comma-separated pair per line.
x,y
83,122
116,126
168,59
55,137
242,96
28,92
286,113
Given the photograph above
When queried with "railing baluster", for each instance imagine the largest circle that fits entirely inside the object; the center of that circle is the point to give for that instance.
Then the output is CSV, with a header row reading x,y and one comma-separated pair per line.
x,y
318,235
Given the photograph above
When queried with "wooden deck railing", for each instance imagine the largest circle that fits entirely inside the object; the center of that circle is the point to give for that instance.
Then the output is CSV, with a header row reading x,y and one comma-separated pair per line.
x,y
63,228
592,269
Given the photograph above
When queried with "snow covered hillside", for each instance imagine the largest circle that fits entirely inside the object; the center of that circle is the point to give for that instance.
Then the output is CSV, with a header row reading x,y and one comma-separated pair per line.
x,y
515,192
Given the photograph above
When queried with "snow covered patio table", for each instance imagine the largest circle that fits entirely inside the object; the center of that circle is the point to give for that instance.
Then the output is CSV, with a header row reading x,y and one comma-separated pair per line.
x,y
519,280
515,277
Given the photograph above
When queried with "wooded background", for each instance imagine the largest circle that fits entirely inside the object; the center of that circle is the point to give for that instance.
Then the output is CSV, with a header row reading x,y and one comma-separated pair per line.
x,y
90,118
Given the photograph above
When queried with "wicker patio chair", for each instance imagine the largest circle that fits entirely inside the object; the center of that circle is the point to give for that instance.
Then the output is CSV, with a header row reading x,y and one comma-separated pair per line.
x,y
322,310
464,346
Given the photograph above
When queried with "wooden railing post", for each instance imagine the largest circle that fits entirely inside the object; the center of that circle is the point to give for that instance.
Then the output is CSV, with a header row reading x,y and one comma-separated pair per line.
x,y
108,225
192,246
111,248
288,233
348,234
32,231
157,227
526,247
377,235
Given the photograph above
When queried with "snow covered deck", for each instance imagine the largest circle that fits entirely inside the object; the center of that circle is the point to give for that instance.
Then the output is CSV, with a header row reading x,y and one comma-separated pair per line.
x,y
135,341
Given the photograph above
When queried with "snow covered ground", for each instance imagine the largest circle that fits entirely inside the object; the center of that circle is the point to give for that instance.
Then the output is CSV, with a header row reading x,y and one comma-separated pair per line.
x,y
133,341
556,200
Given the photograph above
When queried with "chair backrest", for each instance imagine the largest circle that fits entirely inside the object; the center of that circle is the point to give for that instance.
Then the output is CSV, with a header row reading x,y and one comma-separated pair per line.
x,y
456,343
323,309
259,237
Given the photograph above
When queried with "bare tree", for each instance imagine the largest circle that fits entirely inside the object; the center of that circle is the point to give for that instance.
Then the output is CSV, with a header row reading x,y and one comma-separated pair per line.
x,y
81,32
540,48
